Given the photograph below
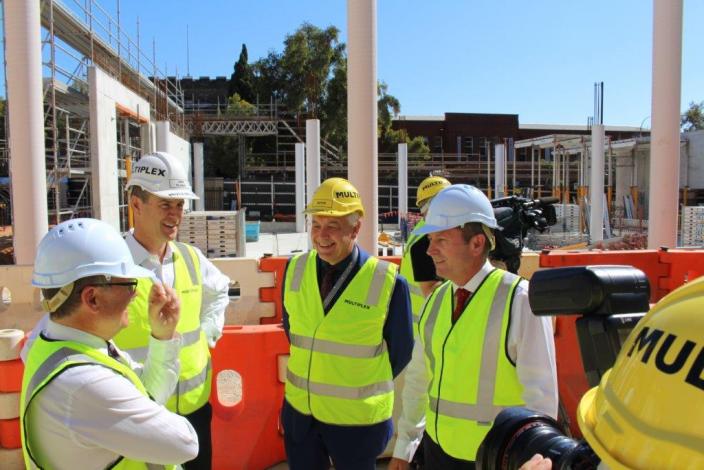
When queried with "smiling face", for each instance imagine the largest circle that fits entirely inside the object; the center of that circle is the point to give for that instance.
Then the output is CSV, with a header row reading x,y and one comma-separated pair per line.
x,y
157,219
456,259
334,237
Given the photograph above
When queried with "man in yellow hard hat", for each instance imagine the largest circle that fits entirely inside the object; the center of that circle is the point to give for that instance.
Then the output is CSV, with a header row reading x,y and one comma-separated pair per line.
x,y
647,412
479,346
348,318
416,265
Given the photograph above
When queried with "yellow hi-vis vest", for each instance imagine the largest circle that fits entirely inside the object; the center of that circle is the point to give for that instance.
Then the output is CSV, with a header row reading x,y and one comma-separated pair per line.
x,y
193,387
46,361
472,379
406,270
339,370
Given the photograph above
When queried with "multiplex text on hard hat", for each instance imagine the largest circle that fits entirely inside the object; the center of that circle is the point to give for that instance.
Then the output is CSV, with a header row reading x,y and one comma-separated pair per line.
x,y
335,197
162,175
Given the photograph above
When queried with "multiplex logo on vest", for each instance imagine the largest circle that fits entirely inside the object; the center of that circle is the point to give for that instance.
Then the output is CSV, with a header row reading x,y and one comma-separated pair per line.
x,y
649,340
357,304
150,170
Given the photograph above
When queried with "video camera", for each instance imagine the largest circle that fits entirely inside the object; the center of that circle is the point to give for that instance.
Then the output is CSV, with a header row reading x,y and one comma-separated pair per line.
x,y
610,301
515,216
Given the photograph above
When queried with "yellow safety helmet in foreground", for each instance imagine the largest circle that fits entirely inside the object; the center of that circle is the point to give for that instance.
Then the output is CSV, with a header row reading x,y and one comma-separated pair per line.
x,y
429,187
648,410
335,197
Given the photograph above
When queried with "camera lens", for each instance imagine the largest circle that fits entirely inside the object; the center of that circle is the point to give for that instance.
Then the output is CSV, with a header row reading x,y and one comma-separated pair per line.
x,y
519,433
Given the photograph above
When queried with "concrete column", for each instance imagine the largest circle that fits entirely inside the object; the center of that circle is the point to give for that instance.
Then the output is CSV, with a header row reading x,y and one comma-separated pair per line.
x,y
103,149
312,157
402,182
362,149
596,185
499,170
300,187
23,57
163,130
198,180
663,197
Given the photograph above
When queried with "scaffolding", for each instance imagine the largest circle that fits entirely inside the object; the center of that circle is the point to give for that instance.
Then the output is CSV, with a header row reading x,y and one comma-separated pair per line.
x,y
78,34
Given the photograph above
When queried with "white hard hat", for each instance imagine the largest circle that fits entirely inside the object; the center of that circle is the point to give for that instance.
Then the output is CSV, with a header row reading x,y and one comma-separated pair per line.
x,y
81,248
455,206
162,175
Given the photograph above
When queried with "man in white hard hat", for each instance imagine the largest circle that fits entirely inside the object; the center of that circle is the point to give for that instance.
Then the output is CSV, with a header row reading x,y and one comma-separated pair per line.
x,y
347,316
85,404
158,189
480,348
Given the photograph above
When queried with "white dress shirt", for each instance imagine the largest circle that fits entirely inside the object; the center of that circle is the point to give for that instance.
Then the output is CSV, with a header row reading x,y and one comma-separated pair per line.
x,y
530,346
89,416
215,285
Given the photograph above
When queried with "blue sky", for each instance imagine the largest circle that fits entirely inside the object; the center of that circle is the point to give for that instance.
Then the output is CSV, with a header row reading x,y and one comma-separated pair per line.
x,y
537,58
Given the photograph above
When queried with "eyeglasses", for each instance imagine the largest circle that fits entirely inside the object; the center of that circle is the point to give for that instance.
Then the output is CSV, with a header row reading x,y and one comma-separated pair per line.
x,y
131,285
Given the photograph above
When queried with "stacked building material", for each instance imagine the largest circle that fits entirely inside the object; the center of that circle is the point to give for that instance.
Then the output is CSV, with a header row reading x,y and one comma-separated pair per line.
x,y
693,226
213,232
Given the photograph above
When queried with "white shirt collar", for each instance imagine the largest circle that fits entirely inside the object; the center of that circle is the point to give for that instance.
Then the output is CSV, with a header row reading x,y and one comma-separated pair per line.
x,y
140,254
473,284
58,331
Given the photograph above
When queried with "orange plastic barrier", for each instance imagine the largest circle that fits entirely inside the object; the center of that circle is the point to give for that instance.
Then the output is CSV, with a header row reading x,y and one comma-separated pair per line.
x,y
246,434
11,376
277,265
684,266
572,382
647,261
10,433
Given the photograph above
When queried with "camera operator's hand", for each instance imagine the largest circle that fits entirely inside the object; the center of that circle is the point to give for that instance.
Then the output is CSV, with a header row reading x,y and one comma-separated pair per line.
x,y
398,464
537,462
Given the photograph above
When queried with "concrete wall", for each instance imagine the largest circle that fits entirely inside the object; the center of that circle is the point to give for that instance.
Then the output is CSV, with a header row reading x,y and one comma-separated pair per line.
x,y
167,141
105,95
693,174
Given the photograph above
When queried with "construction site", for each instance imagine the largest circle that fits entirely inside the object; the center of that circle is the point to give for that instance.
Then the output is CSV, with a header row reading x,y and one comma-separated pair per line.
x,y
75,124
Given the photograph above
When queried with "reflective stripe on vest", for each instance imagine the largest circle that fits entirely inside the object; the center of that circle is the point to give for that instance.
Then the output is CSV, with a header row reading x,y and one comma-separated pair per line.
x,y
406,270
46,361
339,369
193,387
462,406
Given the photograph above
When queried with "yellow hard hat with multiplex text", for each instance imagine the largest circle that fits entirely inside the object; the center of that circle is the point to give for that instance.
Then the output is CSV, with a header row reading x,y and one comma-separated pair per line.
x,y
335,197
429,187
648,410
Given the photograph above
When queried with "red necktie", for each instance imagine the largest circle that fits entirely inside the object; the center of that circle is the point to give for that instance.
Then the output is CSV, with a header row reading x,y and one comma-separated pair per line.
x,y
461,296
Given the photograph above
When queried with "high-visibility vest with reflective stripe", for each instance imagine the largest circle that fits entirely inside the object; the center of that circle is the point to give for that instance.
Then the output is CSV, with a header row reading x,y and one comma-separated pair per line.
x,y
406,270
339,369
193,388
472,377
46,361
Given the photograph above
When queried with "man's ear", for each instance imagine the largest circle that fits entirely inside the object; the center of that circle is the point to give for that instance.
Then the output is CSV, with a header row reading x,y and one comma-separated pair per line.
x,y
477,243
136,204
89,298
356,228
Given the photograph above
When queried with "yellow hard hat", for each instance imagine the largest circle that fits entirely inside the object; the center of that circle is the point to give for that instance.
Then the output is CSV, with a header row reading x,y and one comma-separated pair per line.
x,y
429,187
648,410
335,197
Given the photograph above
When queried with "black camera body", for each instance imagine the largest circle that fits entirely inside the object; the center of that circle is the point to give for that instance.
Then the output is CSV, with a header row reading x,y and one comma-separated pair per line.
x,y
515,216
610,301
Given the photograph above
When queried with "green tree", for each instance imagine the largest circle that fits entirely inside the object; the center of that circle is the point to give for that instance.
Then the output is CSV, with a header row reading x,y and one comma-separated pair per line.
x,y
693,118
242,79
389,107
333,110
240,107
269,80
309,58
